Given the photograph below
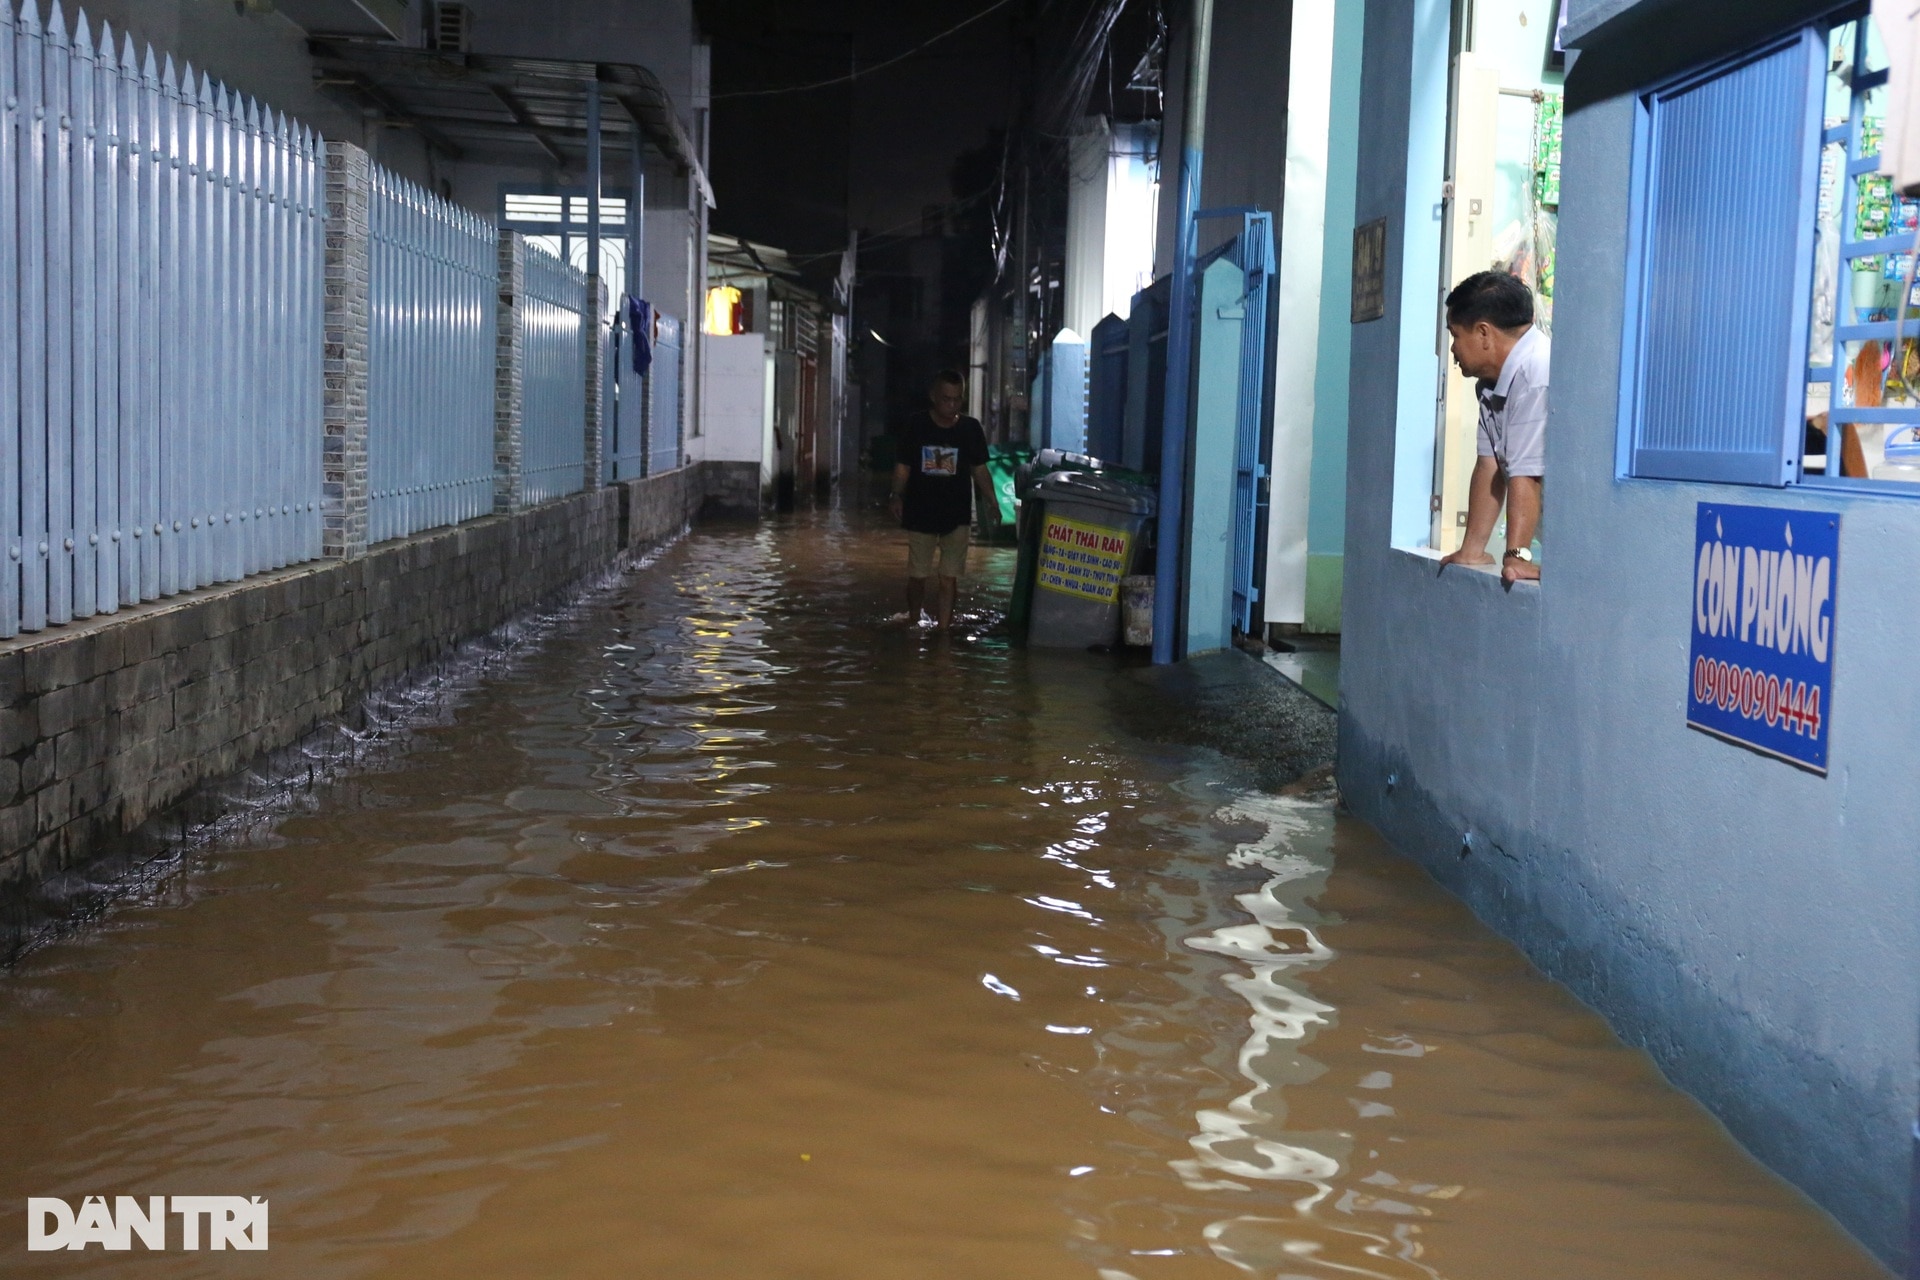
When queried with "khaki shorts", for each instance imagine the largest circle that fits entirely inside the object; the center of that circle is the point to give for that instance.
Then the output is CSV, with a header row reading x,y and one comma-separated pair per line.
x,y
952,549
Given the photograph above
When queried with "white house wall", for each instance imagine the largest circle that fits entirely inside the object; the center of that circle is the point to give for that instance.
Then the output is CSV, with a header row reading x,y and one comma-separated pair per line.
x,y
260,53
1112,199
1302,231
1087,177
1133,202
734,399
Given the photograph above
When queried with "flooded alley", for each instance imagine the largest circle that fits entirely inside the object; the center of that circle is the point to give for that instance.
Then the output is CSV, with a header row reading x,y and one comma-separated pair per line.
x,y
733,932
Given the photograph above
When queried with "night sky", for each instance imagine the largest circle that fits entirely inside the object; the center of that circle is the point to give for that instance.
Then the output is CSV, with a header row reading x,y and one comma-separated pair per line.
x,y
780,163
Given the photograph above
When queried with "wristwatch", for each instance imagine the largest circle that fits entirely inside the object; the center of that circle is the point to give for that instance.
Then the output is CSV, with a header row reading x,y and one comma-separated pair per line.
x,y
1520,553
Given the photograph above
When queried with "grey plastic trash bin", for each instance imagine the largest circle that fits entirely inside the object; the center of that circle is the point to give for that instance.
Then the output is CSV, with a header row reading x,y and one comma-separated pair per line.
x,y
1089,534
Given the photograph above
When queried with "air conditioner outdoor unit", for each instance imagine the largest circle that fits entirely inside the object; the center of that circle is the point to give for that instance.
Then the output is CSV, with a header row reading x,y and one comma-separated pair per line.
x,y
452,28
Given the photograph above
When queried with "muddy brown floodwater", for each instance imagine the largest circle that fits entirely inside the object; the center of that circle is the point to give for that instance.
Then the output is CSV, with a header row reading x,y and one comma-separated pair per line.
x,y
734,934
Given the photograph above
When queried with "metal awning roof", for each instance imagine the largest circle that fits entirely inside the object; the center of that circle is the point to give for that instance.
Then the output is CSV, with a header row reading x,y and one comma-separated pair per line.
x,y
732,260
482,105
733,256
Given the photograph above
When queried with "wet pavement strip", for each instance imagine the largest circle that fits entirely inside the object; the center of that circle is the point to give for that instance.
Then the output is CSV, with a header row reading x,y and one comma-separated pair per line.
x,y
732,931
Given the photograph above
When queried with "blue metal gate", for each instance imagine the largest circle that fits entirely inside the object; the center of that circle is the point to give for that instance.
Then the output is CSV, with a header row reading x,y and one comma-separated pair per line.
x,y
1250,471
1107,388
1223,492
626,437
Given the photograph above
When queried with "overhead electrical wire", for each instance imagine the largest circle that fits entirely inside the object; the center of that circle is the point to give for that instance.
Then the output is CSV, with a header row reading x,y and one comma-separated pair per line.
x,y
899,229
867,71
1056,114
1074,88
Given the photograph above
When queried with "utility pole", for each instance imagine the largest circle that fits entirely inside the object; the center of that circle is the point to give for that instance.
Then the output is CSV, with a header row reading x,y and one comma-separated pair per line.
x,y
1021,124
853,89
1022,327
1173,427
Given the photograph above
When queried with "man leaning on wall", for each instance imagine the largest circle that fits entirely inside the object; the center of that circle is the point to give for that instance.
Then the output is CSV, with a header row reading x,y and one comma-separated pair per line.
x,y
1495,342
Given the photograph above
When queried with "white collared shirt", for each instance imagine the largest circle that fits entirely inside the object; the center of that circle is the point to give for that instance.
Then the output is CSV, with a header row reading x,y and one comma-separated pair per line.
x,y
1513,408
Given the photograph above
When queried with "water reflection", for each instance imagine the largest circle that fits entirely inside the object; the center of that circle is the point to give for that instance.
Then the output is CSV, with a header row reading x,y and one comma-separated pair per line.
x,y
733,932
1246,1141
1274,946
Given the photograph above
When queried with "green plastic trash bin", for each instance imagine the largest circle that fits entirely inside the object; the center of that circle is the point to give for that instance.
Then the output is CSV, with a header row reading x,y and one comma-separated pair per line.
x,y
1003,465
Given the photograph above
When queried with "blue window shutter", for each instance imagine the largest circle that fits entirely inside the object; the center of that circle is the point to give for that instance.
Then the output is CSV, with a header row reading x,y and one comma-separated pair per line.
x,y
1729,177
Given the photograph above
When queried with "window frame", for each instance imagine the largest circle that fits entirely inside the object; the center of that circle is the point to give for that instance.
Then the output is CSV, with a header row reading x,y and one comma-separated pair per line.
x,y
1815,138
617,236
1637,276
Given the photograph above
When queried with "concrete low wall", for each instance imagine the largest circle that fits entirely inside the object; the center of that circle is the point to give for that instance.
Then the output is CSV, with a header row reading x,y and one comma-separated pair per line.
x,y
733,489
106,724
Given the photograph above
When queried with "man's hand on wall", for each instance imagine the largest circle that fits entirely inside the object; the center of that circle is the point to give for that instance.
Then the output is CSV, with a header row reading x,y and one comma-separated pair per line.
x,y
1519,571
1524,495
1465,556
1486,490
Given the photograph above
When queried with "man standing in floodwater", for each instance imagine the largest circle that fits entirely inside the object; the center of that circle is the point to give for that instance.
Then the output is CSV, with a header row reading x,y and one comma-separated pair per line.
x,y
942,462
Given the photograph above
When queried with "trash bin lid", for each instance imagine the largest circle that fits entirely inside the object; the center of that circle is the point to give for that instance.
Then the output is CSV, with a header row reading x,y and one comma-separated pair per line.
x,y
1046,461
1055,459
1095,491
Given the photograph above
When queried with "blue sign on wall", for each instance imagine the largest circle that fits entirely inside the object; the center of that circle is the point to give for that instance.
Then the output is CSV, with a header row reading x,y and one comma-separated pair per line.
x,y
1764,584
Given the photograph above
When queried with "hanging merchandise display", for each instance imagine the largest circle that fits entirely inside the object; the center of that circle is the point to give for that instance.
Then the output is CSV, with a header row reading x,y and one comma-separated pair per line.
x,y
1546,150
1546,199
1873,213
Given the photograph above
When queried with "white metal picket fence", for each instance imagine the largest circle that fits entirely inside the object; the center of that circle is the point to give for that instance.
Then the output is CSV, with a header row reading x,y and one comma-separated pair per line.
x,y
433,278
160,308
663,398
554,379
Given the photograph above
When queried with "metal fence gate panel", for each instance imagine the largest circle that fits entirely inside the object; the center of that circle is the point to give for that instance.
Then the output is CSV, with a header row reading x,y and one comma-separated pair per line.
x,y
626,447
429,378
160,375
1250,472
554,405
663,398
1107,388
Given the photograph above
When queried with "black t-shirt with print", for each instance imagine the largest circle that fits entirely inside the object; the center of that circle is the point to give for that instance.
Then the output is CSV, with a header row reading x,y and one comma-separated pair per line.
x,y
940,461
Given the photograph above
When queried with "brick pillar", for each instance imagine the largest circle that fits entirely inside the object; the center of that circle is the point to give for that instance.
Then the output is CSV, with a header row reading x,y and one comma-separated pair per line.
x,y
509,493
344,453
596,380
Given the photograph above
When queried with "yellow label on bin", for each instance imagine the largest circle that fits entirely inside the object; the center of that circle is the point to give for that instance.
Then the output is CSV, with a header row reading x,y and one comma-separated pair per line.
x,y
1083,560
